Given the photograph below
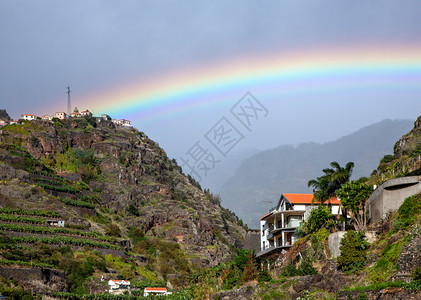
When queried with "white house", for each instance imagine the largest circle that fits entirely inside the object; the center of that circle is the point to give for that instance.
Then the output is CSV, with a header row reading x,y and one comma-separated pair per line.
x,y
126,123
155,290
122,122
278,226
75,114
118,286
61,115
58,223
29,117
47,118
86,113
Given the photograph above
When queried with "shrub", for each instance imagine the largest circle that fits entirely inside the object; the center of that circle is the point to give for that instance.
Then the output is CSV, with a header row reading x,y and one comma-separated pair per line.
x,y
409,210
113,230
353,251
305,268
264,276
387,158
319,218
416,274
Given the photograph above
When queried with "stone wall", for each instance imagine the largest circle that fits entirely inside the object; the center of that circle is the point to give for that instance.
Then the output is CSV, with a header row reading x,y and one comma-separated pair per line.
x,y
409,259
243,293
334,242
390,195
37,280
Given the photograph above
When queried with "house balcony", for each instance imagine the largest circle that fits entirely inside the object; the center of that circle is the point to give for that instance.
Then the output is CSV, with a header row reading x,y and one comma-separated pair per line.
x,y
268,250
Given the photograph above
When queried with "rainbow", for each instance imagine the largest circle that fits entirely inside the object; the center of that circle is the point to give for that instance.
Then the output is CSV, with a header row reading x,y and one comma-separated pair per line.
x,y
271,76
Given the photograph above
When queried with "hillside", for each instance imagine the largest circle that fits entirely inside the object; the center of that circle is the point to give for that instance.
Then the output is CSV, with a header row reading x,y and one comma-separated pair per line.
x,y
259,180
129,211
382,261
405,160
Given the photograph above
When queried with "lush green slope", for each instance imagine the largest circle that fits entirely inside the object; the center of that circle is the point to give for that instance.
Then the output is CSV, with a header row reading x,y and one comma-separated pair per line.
x,y
129,211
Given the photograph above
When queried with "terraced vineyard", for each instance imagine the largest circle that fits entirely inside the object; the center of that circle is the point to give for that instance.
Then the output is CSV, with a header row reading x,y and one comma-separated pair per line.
x,y
12,233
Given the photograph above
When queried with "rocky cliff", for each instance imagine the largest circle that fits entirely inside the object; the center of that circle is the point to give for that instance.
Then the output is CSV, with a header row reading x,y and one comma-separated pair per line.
x,y
121,187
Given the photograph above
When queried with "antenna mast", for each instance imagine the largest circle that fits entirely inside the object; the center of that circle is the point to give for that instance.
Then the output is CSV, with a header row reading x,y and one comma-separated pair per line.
x,y
69,106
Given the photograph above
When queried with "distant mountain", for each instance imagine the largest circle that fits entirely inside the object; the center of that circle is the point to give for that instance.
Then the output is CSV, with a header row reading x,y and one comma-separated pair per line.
x,y
259,180
226,169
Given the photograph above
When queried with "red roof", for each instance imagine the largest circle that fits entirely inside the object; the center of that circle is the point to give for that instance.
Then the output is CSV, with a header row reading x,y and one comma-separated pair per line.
x,y
306,199
29,115
155,289
267,215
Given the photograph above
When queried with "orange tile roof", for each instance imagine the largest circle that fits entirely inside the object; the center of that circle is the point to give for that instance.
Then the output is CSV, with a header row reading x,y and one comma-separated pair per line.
x,y
155,289
267,215
306,198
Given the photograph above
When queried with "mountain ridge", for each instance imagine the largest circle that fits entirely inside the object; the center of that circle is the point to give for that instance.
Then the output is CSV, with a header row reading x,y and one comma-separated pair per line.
x,y
128,209
288,168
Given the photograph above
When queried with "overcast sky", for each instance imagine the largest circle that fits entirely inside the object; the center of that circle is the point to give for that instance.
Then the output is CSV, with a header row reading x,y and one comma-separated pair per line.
x,y
97,47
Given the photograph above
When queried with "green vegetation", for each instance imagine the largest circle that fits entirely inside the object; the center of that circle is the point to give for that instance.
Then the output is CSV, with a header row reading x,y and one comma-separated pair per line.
x,y
4,115
154,254
5,262
77,203
64,240
354,196
321,217
36,212
65,188
21,219
304,268
353,252
332,180
408,212
231,274
386,265
53,230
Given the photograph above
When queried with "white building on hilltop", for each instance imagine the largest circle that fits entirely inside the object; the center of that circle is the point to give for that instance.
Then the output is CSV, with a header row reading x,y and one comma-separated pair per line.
x,y
29,117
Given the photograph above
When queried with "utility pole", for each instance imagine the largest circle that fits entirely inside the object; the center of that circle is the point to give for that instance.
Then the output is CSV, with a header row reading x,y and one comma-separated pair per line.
x,y
69,106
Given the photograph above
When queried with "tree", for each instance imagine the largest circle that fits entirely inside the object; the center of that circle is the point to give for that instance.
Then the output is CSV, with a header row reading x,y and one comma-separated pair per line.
x,y
4,115
353,251
325,186
354,196
319,218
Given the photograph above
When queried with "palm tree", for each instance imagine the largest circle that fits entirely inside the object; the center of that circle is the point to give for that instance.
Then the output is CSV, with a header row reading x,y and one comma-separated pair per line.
x,y
325,186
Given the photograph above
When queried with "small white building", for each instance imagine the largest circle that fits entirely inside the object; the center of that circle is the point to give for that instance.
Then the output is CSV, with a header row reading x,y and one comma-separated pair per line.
x,y
47,118
58,223
75,114
155,291
118,286
2,122
61,115
29,117
122,122
116,122
86,113
278,226
126,123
